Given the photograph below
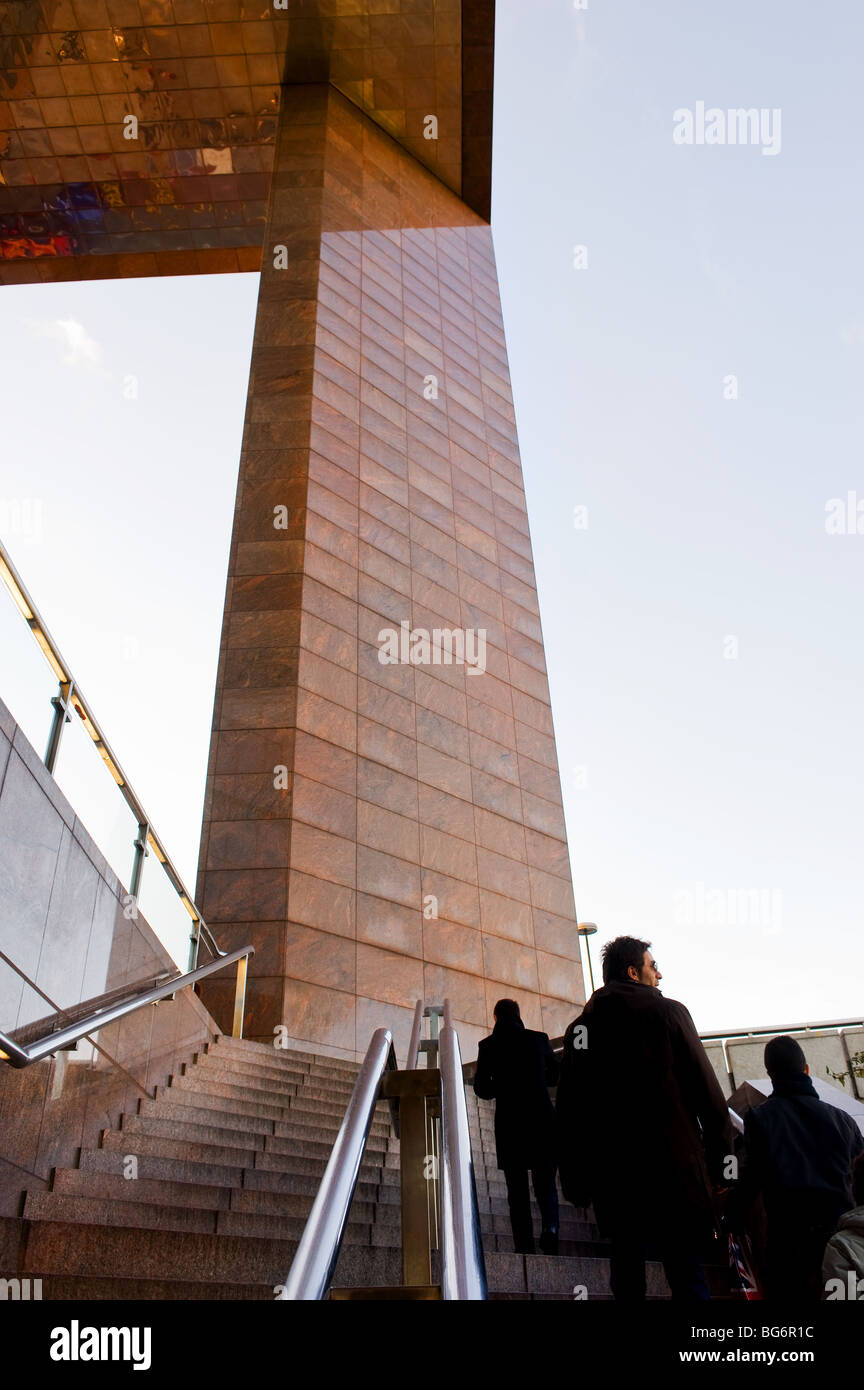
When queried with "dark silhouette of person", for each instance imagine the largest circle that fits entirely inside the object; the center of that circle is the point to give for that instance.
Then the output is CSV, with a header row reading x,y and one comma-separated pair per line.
x,y
644,1129
798,1152
515,1068
843,1262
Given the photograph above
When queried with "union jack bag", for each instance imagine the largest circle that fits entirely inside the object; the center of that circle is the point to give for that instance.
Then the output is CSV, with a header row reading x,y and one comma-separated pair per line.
x,y
740,1261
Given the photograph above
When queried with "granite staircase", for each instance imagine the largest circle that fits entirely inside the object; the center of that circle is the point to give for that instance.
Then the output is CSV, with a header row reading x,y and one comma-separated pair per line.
x,y
203,1193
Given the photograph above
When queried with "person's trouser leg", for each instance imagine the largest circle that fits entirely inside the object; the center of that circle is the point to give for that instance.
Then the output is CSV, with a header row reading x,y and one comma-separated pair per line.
x,y
793,1270
519,1201
627,1265
684,1273
546,1194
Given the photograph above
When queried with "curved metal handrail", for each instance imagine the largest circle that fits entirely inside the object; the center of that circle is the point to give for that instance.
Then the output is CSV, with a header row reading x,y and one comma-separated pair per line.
x,y
463,1267
315,1260
20,1057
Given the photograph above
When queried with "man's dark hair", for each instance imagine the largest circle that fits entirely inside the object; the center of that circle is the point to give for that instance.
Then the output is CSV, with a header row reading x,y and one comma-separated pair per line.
x,y
621,953
858,1180
507,1011
784,1058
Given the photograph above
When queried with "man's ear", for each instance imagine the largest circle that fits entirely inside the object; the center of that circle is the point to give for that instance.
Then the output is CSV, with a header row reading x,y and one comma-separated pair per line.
x,y
806,1071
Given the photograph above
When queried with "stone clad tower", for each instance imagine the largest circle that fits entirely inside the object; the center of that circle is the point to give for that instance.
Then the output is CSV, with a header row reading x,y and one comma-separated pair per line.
x,y
381,830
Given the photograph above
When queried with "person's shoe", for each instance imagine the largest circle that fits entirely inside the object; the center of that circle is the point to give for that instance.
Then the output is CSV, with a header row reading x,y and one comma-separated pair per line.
x,y
549,1241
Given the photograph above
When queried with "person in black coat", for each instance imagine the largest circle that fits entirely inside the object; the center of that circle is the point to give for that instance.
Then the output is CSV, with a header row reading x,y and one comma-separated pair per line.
x,y
799,1154
515,1067
644,1128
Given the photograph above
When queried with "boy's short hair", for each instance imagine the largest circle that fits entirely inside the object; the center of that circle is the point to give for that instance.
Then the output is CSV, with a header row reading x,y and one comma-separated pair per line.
x,y
784,1058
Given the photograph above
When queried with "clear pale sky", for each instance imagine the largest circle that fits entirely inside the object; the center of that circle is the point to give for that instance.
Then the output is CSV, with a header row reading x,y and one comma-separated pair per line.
x,y
693,776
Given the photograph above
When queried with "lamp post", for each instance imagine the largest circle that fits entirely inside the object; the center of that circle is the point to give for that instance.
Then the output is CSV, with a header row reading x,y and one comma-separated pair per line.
x,y
587,929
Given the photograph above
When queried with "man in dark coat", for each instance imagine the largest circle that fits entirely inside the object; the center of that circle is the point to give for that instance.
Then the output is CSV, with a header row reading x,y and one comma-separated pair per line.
x,y
643,1126
515,1067
799,1154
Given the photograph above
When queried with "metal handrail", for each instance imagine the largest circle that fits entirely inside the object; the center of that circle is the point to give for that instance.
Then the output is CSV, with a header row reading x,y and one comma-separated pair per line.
x,y
315,1260
65,1037
414,1045
463,1267
69,697
738,1034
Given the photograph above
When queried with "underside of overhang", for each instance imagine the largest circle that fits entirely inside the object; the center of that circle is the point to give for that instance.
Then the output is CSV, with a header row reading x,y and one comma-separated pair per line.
x,y
137,136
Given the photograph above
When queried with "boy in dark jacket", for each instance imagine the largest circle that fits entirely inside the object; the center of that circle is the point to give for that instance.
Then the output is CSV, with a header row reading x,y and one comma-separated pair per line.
x,y
799,1155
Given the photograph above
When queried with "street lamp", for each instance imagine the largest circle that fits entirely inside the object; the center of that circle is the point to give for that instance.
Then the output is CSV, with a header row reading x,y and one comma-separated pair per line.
x,y
587,929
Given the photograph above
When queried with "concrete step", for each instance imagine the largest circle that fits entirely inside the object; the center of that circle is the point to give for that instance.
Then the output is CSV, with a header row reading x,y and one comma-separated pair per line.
x,y
229,1130
268,1152
244,1128
83,1288
259,1054
298,1163
314,1090
558,1274
162,1168
322,1114
274,1068
260,1180
81,1182
235,1073
268,1227
179,1170
74,1250
259,1084
559,1298
285,1148
321,1108
284,1154
260,1202
102,1211
152,1215
544,1276
308,1117
497,1205
246,1116
589,1249
300,1124
161,1145
138,1141
273,1081
290,1135
214,1098
219,1104
498,1225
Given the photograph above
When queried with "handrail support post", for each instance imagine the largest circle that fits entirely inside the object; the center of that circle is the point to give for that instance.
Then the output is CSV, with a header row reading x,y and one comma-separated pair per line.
x,y
61,717
416,1165
240,997
141,853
